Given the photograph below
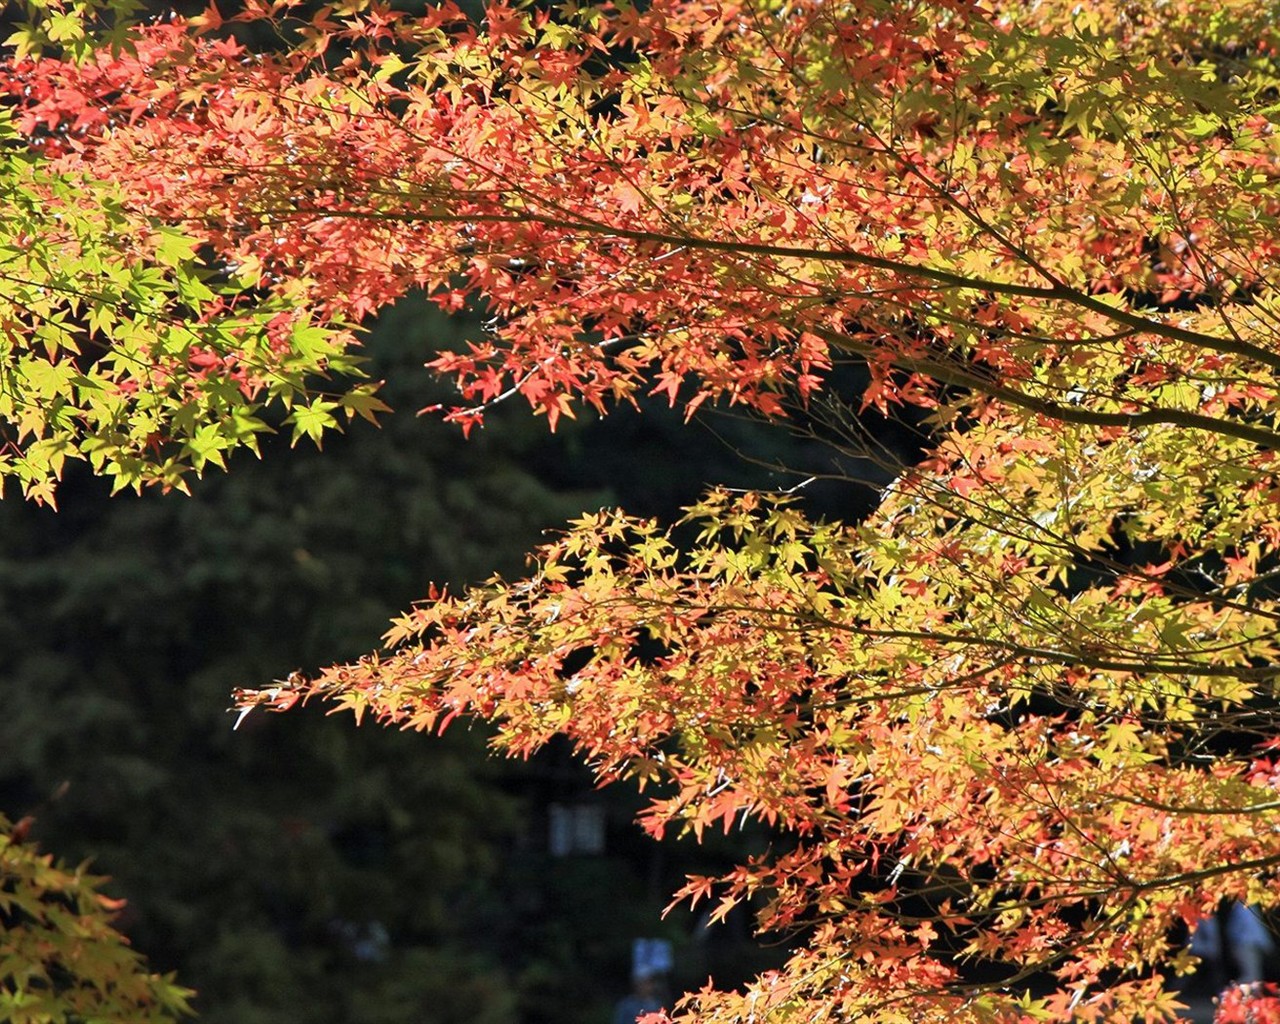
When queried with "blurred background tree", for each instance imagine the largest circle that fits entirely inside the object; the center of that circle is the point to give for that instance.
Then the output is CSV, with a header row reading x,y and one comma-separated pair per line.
x,y
297,869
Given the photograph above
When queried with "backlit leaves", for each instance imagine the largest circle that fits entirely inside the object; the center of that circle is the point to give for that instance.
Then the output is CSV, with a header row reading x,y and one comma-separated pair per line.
x,y
123,349
61,961
1014,725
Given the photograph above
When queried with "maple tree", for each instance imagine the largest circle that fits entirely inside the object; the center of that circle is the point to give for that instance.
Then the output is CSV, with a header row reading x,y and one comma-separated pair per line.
x,y
1014,725
60,958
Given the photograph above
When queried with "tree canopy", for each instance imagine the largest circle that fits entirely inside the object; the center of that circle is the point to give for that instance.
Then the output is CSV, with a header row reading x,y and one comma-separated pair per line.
x,y
1017,722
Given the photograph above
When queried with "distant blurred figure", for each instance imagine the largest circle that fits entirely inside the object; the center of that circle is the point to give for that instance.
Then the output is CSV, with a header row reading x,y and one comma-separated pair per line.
x,y
1249,941
1206,943
646,997
651,960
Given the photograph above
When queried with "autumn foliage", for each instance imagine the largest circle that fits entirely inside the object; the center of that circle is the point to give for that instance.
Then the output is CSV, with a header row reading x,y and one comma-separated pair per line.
x,y
61,959
1015,729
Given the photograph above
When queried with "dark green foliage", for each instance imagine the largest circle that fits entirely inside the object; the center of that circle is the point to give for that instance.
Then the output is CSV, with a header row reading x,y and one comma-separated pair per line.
x,y
269,863
297,869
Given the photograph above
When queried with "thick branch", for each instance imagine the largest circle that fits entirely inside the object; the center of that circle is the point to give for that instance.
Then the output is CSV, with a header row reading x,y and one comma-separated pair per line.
x,y
950,373
1057,293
